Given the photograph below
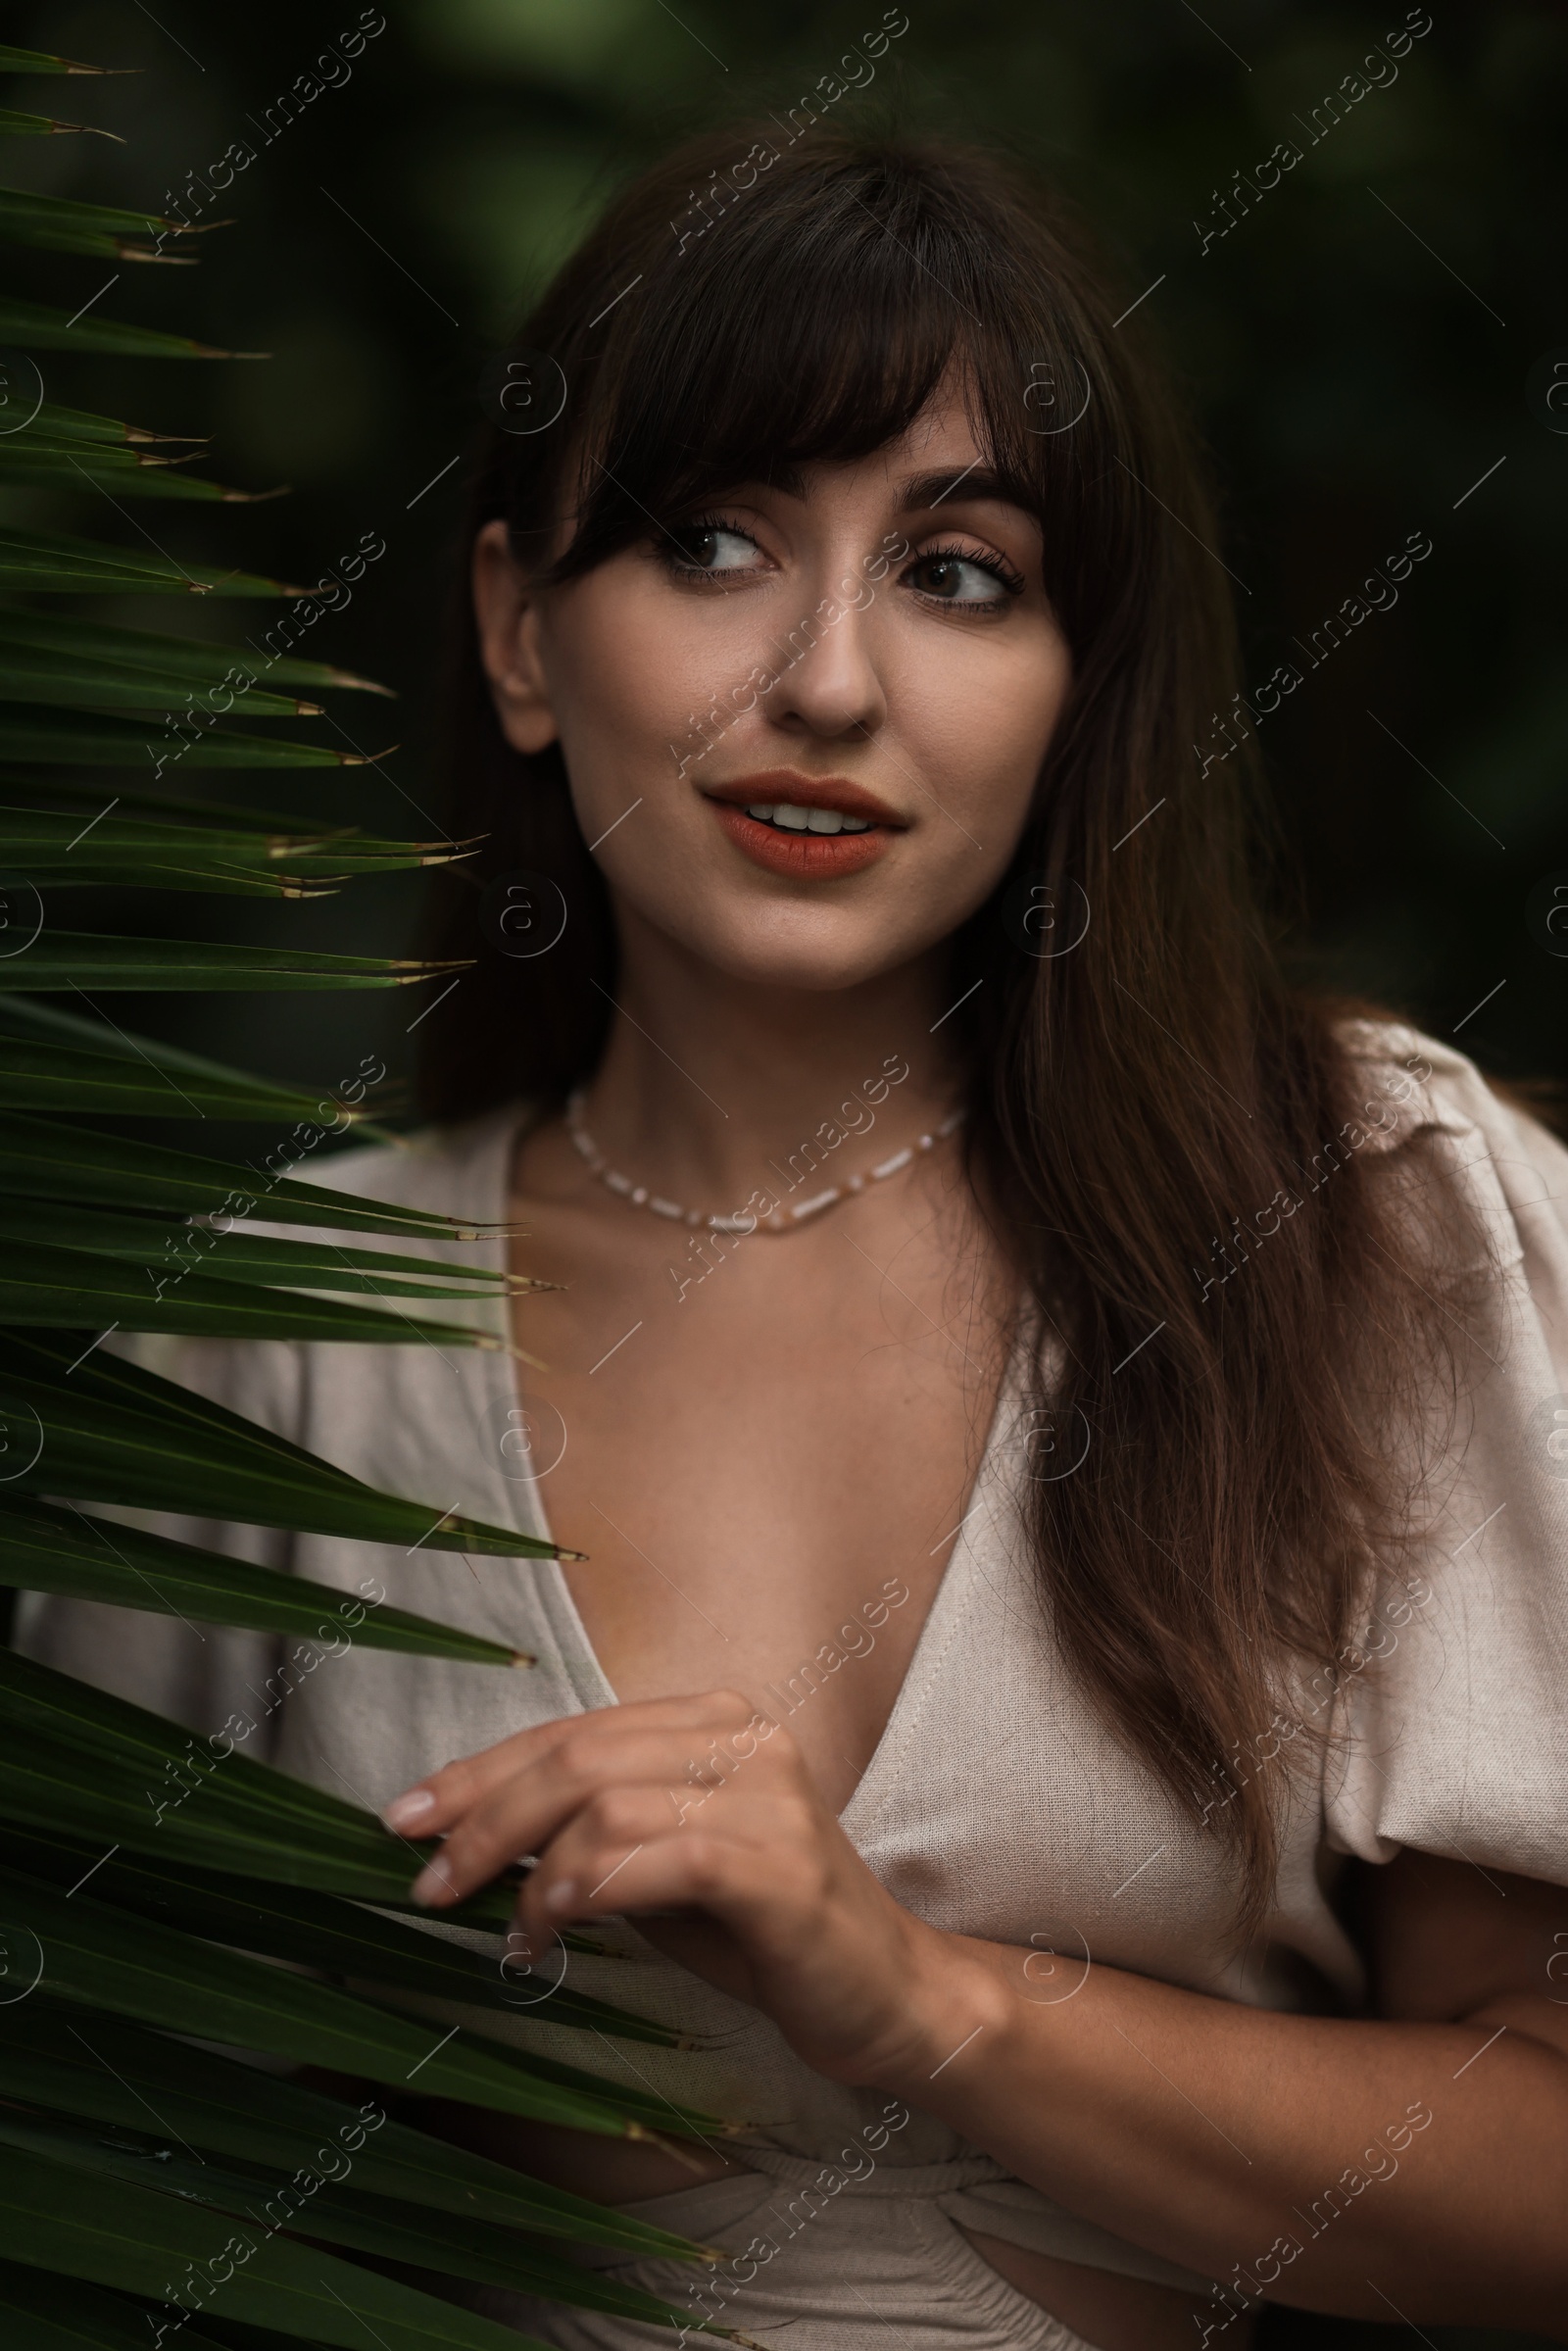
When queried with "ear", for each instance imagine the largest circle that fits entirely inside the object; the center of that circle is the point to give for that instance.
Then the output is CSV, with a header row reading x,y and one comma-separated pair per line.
x,y
508,615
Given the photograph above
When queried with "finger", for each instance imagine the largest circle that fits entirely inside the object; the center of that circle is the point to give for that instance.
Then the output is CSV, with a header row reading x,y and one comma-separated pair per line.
x,y
432,1803
428,1808
770,1854
601,1875
534,1802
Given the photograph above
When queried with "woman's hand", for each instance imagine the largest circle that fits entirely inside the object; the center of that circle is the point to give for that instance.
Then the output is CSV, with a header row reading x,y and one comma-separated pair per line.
x,y
702,1804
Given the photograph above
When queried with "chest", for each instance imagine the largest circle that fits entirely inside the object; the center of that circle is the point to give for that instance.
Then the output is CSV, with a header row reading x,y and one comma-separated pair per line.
x,y
765,1449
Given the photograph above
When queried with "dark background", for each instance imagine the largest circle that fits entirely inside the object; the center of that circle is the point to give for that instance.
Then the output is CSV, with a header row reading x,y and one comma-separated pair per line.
x,y
1358,350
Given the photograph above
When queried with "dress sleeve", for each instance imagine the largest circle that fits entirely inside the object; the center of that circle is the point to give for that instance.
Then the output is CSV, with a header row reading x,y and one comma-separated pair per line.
x,y
197,1674
1450,1720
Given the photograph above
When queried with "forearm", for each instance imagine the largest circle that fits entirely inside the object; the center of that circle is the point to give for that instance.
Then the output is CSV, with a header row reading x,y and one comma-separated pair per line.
x,y
1367,2169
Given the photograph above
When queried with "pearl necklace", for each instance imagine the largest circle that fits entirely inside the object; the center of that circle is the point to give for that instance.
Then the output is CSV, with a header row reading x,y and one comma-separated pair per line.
x,y
782,1220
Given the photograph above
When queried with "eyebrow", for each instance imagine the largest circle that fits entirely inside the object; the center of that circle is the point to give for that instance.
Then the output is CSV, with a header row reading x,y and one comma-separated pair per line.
x,y
920,492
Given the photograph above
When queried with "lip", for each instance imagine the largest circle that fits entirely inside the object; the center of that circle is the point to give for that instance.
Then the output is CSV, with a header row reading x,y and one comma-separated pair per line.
x,y
787,786
804,857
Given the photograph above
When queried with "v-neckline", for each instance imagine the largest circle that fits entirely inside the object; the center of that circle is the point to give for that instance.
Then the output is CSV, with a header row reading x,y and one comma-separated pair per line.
x,y
585,1664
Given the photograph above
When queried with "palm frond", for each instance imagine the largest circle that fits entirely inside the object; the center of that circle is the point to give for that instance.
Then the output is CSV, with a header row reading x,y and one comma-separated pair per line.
x,y
62,2217
40,61
38,327
178,657
65,226
64,1077
74,1289
241,1256
58,562
49,1159
76,679
44,1549
42,2311
102,1956
62,960
320,1931
105,2069
177,1888
86,740
19,125
474,2250
110,1431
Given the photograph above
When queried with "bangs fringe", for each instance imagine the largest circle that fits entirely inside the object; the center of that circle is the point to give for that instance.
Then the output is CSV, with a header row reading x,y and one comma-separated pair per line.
x,y
812,325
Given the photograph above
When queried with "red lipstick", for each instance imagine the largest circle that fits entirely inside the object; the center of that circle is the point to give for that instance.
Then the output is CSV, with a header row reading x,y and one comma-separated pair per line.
x,y
804,855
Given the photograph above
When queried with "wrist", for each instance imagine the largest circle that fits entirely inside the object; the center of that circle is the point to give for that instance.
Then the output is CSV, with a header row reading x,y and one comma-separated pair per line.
x,y
955,2009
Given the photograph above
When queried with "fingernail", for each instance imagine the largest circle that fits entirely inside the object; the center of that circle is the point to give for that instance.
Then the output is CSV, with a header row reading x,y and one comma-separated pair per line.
x,y
404,1811
431,1884
562,1896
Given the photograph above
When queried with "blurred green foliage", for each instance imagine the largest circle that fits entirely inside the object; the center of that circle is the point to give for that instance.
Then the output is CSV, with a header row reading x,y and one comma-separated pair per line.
x,y
1356,347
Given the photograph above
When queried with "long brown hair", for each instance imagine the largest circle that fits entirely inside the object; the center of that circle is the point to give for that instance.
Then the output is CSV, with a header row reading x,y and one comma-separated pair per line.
x,y
758,301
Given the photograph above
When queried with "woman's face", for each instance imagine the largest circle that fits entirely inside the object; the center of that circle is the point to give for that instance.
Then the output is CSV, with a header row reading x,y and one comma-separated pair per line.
x,y
804,723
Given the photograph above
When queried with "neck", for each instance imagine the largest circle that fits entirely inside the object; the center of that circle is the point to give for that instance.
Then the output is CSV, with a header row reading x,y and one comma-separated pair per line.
x,y
709,1085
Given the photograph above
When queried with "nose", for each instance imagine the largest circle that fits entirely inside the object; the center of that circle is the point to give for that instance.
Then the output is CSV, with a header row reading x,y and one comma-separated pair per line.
x,y
829,683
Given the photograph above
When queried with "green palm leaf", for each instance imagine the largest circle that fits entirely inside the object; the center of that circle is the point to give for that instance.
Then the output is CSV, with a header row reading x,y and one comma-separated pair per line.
x,y
179,658
39,61
46,559
51,1077
72,1290
44,2312
212,878
27,1020
58,789
204,1803
74,679
339,2216
174,1887
86,740
56,1161
102,1956
47,1549
78,958
66,227
241,1256
38,327
44,844
325,1933
59,2216
110,1432
77,424
110,2070
476,2250
30,458
14,126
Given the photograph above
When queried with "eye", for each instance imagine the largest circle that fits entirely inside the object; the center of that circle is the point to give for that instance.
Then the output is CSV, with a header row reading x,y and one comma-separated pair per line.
x,y
954,575
709,547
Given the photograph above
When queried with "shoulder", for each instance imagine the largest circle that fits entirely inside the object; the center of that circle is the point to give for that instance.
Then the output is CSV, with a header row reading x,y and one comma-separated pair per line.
x,y
1457,1742
1425,1099
1430,1082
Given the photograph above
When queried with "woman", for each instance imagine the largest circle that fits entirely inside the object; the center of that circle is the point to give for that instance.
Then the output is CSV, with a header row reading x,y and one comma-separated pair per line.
x,y
1061,1693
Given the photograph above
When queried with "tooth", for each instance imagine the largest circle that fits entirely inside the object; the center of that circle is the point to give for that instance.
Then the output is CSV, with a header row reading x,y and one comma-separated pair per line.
x,y
856,824
826,820
763,813
793,819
